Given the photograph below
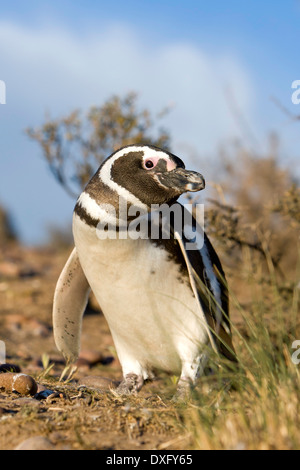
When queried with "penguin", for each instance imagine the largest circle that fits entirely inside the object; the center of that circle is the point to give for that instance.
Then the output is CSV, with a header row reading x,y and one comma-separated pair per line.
x,y
154,272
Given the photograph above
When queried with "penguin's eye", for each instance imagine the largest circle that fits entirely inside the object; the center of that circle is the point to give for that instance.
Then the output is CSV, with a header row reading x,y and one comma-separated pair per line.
x,y
149,164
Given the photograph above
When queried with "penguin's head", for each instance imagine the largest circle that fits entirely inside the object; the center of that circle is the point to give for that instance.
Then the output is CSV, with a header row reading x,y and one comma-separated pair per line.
x,y
150,174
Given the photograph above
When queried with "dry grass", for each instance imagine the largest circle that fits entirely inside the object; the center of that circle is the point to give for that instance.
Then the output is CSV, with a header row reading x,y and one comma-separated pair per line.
x,y
258,241
261,411
255,406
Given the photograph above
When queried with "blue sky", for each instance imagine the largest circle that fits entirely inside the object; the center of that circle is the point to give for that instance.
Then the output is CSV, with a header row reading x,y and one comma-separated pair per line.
x,y
60,55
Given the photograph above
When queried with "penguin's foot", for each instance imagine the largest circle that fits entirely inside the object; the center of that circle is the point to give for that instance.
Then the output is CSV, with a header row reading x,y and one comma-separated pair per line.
x,y
183,392
131,384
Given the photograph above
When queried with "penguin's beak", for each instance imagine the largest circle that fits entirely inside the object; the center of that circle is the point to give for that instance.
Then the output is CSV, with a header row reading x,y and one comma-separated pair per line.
x,y
182,180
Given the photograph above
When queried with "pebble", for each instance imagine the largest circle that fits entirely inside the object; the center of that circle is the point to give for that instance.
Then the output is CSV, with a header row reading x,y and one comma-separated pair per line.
x,y
82,363
15,322
9,270
91,356
21,383
36,443
3,411
44,394
25,401
41,388
97,382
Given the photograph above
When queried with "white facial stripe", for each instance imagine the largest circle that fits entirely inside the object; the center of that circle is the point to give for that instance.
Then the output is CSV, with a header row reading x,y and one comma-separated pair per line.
x,y
156,154
149,152
94,210
105,176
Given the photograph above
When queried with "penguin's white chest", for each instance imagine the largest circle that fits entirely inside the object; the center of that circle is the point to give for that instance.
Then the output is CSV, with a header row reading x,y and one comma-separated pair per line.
x,y
152,313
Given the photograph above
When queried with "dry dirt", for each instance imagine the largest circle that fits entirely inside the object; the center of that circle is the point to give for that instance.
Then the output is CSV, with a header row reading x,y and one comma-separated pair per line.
x,y
73,417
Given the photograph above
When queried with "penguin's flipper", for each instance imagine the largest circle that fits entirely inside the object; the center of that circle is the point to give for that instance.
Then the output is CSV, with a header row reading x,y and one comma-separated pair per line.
x,y
70,299
209,286
205,321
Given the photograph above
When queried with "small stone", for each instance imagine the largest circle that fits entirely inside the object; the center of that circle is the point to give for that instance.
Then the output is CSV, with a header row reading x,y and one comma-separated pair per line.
x,y
107,360
3,411
29,402
36,443
27,272
16,322
20,383
9,270
97,382
3,286
82,363
41,388
43,394
91,356
38,328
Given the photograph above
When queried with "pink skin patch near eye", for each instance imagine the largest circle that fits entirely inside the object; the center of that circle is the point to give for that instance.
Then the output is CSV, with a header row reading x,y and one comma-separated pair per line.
x,y
154,160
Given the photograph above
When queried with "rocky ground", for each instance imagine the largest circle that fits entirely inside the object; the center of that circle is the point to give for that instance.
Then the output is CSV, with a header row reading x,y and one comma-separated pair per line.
x,y
81,412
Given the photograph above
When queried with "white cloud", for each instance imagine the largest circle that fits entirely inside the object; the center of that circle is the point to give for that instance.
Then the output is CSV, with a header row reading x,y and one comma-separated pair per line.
x,y
56,69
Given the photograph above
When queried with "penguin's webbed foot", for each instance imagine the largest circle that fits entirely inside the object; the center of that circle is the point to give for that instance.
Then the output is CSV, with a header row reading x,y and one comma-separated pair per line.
x,y
184,389
131,384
